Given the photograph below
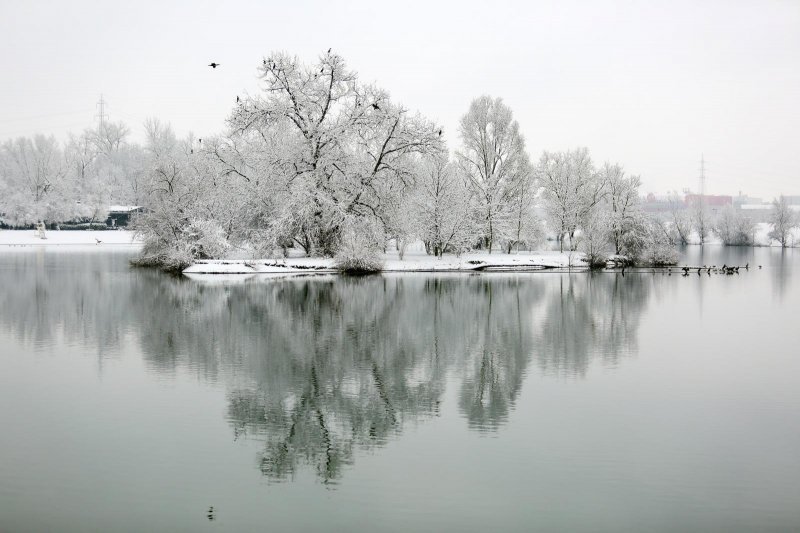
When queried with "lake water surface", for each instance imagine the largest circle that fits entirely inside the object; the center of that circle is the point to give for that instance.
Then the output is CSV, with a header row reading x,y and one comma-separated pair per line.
x,y
131,400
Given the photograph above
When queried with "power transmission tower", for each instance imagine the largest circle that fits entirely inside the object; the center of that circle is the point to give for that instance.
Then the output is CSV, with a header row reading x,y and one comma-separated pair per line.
x,y
102,115
702,179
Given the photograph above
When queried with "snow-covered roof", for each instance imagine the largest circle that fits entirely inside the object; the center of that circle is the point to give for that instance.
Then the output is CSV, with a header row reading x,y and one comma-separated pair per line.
x,y
123,208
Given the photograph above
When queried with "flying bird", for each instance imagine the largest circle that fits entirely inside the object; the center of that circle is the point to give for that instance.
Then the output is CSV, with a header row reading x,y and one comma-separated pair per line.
x,y
375,106
213,65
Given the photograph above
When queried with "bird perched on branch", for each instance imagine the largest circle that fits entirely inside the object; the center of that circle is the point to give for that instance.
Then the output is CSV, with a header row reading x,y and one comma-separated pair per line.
x,y
213,65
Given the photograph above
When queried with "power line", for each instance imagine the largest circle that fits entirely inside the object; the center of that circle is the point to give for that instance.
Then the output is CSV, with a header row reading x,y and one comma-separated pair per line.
x,y
46,115
38,130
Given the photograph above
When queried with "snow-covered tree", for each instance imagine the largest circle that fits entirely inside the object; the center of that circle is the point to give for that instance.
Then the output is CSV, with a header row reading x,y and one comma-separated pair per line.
x,y
571,190
124,170
180,223
625,213
701,220
526,227
110,137
657,248
734,228
87,182
596,232
494,159
346,150
440,208
783,220
680,218
34,174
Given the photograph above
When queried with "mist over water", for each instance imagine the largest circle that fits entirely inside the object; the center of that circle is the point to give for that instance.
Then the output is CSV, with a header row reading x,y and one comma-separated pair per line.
x,y
134,400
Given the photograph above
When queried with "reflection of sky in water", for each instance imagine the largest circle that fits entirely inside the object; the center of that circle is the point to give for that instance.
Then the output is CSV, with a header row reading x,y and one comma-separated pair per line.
x,y
313,377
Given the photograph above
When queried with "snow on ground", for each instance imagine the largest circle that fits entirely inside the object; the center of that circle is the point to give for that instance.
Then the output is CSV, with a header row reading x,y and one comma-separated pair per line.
x,y
72,240
412,262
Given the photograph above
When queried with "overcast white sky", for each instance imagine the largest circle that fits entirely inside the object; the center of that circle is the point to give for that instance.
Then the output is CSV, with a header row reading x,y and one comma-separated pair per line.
x,y
649,84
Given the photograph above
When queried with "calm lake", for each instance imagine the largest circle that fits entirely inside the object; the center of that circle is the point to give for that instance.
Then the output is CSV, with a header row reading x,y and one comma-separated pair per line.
x,y
131,400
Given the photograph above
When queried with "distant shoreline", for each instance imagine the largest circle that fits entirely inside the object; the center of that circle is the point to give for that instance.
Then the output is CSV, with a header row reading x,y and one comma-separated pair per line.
x,y
13,239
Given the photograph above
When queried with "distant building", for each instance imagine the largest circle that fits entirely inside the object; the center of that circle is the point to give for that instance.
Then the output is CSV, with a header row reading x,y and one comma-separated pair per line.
x,y
120,215
744,199
660,203
757,208
710,200
792,200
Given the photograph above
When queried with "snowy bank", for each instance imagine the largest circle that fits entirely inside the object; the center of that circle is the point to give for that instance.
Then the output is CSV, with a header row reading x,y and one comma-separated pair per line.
x,y
416,262
72,240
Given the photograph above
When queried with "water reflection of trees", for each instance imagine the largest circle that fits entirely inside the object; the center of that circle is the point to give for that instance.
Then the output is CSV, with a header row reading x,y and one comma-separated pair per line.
x,y
45,298
587,317
354,360
318,368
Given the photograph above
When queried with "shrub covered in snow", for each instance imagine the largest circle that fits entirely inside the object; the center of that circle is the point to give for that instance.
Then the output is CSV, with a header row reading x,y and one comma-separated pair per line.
x,y
639,235
201,239
157,253
593,238
359,252
657,249
205,239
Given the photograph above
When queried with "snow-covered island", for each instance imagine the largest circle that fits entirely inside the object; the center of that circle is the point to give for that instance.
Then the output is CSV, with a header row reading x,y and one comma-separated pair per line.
x,y
324,166
411,262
